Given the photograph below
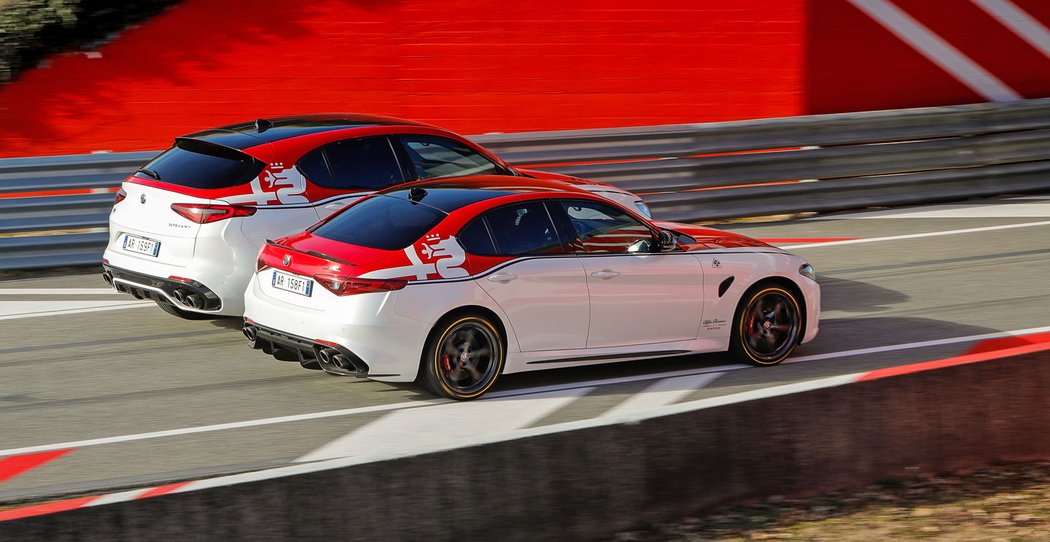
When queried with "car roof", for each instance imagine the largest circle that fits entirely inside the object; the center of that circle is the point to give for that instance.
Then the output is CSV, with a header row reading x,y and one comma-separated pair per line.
x,y
268,130
450,194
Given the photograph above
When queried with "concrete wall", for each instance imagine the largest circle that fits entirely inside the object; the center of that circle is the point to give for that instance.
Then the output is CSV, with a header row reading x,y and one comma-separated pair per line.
x,y
593,482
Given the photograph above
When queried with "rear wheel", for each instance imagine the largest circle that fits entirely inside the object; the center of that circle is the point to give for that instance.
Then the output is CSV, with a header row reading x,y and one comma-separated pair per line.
x,y
170,308
463,358
767,325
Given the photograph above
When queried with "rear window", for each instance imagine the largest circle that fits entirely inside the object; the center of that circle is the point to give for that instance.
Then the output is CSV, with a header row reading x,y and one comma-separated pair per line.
x,y
382,222
196,164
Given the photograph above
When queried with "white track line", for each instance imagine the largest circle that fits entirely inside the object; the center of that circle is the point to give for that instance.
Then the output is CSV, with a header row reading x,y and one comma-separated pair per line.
x,y
32,309
490,397
937,50
918,235
663,392
920,344
1019,21
445,424
58,291
422,447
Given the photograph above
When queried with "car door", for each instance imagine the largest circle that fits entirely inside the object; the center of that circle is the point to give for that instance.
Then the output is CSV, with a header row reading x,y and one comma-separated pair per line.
x,y
353,167
526,269
636,296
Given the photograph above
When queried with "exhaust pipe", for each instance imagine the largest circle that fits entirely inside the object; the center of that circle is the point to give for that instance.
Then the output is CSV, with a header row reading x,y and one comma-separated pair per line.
x,y
107,277
180,296
252,336
195,301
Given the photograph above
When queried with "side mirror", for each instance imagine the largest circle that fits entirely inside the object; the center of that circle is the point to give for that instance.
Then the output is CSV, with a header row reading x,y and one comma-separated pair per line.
x,y
668,240
641,245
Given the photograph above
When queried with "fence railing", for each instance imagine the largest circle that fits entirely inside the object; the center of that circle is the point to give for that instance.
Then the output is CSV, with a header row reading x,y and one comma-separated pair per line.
x,y
53,210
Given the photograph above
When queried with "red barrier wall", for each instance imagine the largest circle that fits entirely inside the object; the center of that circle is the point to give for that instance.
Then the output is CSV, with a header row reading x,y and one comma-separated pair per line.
x,y
477,66
473,66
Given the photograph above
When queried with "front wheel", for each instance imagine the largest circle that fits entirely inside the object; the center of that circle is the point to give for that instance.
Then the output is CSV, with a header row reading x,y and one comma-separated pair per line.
x,y
766,327
463,358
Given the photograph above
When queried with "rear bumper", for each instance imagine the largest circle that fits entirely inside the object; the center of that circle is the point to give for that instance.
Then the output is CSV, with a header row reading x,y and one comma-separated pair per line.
x,y
288,347
183,294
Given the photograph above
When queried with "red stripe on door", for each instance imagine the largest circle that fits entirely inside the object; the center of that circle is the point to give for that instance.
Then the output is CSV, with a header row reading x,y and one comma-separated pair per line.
x,y
18,464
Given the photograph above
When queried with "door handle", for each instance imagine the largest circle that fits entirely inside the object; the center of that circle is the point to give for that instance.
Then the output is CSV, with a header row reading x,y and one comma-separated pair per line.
x,y
605,274
335,206
502,277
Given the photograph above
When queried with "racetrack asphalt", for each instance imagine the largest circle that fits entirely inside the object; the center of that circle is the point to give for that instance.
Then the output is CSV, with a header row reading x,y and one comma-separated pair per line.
x,y
128,370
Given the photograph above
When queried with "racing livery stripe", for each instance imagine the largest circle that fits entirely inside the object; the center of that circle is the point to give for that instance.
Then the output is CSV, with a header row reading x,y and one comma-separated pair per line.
x,y
16,465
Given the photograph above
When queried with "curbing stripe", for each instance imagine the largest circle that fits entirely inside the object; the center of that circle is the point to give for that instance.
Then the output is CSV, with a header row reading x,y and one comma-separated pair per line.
x,y
626,418
954,361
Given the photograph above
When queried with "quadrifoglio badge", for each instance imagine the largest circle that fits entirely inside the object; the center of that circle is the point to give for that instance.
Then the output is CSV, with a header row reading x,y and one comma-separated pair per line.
x,y
434,257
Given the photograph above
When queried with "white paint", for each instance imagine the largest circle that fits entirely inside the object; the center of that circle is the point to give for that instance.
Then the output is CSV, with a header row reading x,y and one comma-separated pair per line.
x,y
663,392
14,310
937,50
618,380
444,425
58,291
1019,21
216,427
1000,210
120,497
422,447
583,387
919,344
918,235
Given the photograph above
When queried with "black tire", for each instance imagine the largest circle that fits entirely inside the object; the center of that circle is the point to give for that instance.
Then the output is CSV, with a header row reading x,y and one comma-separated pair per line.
x,y
463,358
766,326
170,308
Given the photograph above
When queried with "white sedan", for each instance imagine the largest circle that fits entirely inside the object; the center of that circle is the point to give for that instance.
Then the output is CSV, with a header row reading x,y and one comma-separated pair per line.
x,y
455,282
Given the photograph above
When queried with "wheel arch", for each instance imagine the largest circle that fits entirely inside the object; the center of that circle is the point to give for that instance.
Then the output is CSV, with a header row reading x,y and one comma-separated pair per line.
x,y
456,313
789,285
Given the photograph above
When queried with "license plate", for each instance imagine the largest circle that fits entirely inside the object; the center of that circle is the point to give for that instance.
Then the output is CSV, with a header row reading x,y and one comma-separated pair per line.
x,y
292,283
141,245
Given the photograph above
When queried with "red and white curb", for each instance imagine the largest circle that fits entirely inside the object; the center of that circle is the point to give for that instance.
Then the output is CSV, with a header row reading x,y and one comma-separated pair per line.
x,y
984,351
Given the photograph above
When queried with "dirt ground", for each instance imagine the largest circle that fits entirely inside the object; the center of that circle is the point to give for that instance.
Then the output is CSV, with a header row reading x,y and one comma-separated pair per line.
x,y
1008,503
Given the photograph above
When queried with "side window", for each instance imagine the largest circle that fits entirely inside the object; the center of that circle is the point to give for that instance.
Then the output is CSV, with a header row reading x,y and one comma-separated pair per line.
x,y
355,164
602,228
475,238
440,157
523,229
315,167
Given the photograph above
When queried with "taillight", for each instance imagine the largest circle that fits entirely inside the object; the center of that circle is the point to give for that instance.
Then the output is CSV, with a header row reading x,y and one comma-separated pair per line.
x,y
260,264
339,285
121,194
204,214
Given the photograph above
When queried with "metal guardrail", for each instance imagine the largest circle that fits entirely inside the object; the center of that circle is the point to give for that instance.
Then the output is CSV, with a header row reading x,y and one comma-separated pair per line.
x,y
53,210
